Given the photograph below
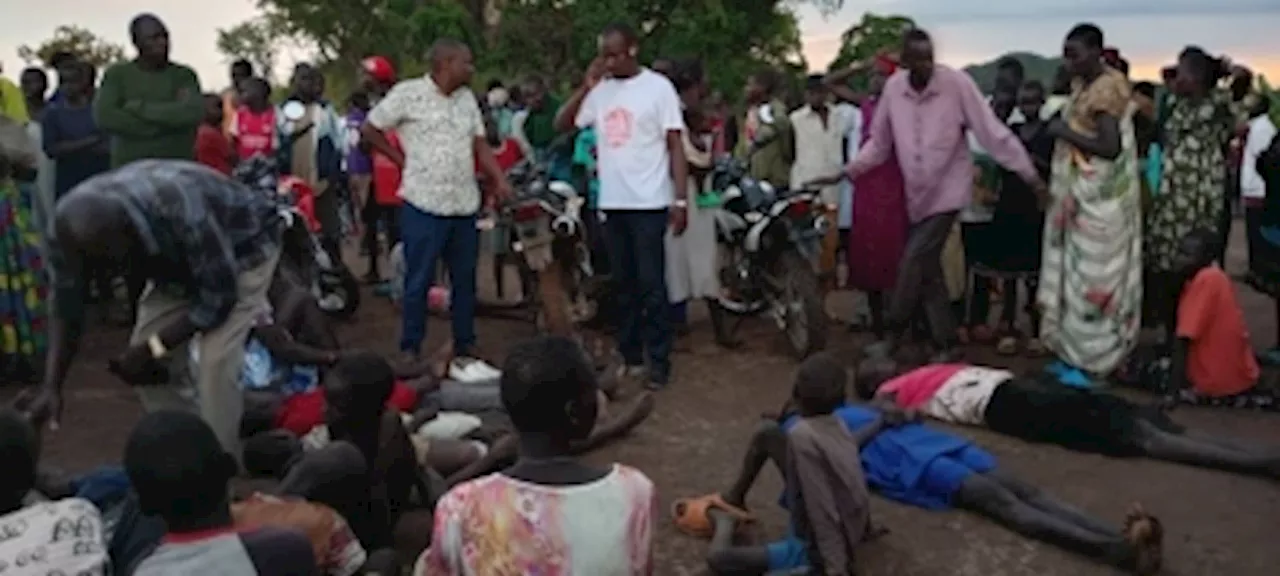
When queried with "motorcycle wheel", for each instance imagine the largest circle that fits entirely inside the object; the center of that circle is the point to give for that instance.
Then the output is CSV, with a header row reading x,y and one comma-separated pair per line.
x,y
805,317
342,284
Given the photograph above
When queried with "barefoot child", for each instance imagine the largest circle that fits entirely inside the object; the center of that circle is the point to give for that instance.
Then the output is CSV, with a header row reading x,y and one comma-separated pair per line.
x,y
920,466
826,492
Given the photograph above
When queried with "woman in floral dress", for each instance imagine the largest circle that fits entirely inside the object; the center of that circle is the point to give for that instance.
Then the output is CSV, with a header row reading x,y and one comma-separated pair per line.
x,y
1193,182
1090,290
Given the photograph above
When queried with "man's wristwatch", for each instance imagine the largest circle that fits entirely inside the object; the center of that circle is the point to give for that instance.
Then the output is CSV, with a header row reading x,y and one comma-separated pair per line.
x,y
680,203
158,349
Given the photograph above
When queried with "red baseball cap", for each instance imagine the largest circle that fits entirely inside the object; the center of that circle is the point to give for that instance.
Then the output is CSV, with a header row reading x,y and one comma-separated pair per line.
x,y
379,68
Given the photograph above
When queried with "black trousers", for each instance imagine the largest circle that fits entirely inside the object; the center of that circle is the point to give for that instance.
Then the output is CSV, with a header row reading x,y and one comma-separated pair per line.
x,y
920,281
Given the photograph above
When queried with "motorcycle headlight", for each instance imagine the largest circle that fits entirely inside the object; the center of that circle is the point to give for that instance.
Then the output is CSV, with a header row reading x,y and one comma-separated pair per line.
x,y
820,224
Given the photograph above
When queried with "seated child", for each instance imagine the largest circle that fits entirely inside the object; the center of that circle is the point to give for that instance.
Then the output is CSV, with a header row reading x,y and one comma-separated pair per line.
x,y
212,147
180,473
601,516
1040,411
447,397
1212,358
825,488
69,532
921,466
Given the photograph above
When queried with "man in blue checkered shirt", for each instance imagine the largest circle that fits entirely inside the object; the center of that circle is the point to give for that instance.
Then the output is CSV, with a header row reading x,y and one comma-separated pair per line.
x,y
208,247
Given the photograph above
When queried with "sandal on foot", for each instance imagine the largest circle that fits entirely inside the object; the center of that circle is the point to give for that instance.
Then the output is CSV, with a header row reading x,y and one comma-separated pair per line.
x,y
1034,348
962,335
692,517
1145,534
1007,346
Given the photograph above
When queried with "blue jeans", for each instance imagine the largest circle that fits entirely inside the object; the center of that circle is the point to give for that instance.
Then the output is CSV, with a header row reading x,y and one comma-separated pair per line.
x,y
637,253
427,238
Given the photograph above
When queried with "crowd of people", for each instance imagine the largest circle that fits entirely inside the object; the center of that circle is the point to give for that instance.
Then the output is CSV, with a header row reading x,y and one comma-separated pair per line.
x,y
1107,201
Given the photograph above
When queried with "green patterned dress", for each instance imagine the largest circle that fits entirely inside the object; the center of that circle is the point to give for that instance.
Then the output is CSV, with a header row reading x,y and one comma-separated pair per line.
x,y
1194,178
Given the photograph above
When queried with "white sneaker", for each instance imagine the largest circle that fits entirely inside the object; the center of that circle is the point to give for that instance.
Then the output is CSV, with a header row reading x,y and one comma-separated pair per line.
x,y
472,370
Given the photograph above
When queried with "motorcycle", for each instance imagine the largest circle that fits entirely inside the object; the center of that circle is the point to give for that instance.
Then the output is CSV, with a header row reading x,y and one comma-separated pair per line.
x,y
544,221
303,254
770,241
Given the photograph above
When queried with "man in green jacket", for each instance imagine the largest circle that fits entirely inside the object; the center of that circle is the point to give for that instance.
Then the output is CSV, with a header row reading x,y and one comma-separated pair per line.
x,y
767,142
150,106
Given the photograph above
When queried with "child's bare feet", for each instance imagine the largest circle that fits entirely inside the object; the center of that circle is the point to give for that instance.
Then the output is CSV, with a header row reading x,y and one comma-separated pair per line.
x,y
1146,535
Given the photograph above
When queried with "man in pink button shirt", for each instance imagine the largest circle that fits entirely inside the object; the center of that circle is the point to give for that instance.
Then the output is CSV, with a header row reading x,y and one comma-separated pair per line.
x,y
924,114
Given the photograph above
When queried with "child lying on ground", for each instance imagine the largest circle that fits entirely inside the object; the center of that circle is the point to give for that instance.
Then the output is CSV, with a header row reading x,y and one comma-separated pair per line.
x,y
929,468
1038,411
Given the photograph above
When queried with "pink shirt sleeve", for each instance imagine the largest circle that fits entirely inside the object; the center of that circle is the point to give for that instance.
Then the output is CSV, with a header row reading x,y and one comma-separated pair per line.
x,y
992,133
879,143
913,389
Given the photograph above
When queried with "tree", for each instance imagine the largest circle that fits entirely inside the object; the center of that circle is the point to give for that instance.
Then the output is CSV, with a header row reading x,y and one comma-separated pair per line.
x,y
555,38
78,41
869,37
255,40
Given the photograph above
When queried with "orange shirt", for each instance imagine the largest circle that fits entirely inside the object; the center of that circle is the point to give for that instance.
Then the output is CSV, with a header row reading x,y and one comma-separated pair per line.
x,y
1220,358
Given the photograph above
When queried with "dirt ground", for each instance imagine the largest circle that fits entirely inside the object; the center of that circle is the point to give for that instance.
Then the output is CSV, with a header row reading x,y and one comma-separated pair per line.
x,y
1216,523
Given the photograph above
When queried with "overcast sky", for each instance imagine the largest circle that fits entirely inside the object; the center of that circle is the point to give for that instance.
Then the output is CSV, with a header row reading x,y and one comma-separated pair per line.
x,y
1148,32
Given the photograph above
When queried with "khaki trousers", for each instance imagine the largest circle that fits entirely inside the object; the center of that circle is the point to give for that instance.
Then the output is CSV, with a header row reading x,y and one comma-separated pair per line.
x,y
216,395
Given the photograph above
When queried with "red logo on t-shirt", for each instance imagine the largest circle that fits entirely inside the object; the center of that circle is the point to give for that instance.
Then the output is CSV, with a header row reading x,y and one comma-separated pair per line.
x,y
618,124
255,133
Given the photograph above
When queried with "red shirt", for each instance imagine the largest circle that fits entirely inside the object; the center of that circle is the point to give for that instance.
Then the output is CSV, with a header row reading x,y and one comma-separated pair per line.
x,y
254,132
212,148
386,175
507,154
1220,358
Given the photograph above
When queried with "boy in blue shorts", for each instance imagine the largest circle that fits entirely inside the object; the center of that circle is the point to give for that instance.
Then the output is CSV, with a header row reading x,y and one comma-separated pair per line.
x,y
921,466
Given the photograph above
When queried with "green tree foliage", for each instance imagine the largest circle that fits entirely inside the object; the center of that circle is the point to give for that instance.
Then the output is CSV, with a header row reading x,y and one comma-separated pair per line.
x,y
733,37
257,40
84,44
1267,91
867,38
1034,66
555,38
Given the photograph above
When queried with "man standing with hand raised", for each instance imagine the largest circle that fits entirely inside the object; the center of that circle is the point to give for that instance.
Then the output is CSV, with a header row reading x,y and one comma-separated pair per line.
x,y
150,106
643,188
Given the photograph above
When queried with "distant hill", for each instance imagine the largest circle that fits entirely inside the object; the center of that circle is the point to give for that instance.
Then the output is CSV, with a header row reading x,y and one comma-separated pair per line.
x,y
1037,67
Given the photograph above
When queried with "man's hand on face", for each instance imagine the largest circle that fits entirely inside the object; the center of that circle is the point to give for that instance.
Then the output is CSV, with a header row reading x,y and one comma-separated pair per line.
x,y
595,72
137,367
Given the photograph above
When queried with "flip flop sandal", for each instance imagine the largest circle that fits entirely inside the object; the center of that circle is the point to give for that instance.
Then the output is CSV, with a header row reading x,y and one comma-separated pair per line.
x,y
691,515
1034,348
1008,346
962,335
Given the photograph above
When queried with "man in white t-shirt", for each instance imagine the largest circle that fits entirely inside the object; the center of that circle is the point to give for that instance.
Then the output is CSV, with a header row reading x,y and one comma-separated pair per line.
x,y
643,187
1253,190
